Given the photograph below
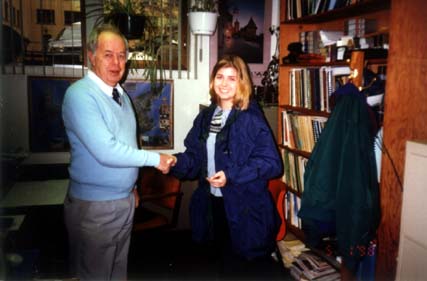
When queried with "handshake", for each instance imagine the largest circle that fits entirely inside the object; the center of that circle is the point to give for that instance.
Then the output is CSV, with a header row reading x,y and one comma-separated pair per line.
x,y
166,162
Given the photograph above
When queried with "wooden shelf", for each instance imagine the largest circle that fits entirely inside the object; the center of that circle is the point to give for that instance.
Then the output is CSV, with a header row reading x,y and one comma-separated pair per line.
x,y
315,63
305,111
334,63
296,151
379,32
296,231
290,189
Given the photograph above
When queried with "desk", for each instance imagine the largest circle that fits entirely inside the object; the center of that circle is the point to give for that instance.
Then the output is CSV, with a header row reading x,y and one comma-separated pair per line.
x,y
35,193
15,225
38,233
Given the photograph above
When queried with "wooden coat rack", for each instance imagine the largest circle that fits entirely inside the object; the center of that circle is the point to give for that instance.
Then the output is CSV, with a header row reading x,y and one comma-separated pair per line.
x,y
357,62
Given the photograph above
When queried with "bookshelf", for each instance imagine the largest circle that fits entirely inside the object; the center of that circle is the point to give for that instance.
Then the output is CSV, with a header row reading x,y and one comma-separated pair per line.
x,y
302,86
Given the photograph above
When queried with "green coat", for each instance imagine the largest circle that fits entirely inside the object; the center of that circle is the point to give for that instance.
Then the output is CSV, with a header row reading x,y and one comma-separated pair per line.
x,y
340,182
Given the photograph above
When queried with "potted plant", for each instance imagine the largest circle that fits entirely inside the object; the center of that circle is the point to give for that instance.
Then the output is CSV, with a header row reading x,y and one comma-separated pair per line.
x,y
202,17
129,17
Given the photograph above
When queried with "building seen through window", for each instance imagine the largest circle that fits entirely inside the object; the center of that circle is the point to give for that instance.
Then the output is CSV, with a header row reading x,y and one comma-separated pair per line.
x,y
45,16
30,28
49,32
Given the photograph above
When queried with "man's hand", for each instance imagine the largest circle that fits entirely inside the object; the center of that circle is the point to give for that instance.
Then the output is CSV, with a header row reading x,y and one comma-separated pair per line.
x,y
218,179
166,162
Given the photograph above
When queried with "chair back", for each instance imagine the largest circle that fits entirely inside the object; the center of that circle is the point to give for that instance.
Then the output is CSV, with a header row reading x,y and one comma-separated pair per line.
x,y
278,192
155,187
160,200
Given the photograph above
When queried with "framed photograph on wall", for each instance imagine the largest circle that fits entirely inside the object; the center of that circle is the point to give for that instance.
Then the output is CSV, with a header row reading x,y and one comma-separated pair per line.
x,y
154,112
231,12
45,96
241,29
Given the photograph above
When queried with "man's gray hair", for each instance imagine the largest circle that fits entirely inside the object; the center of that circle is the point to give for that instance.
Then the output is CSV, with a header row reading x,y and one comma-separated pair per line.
x,y
92,43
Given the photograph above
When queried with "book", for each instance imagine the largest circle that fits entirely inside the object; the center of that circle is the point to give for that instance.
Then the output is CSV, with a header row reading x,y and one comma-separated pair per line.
x,y
309,266
331,5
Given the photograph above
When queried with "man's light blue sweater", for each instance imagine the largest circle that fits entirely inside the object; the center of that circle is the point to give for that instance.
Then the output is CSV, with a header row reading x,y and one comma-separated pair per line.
x,y
104,152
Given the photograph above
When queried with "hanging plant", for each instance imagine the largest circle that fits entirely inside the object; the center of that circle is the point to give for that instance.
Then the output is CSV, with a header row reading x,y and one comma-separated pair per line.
x,y
204,6
130,18
202,17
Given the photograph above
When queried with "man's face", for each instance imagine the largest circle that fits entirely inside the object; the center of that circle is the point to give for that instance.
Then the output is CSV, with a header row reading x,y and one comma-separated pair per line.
x,y
109,60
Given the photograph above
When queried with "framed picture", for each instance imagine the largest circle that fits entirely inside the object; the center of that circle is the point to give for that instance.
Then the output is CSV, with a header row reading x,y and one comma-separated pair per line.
x,y
154,112
231,12
241,29
45,96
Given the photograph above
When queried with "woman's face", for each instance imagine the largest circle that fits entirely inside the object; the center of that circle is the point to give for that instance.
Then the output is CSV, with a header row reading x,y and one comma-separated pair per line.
x,y
225,86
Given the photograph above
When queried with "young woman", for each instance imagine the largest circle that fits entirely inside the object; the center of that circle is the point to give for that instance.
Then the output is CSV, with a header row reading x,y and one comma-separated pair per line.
x,y
232,152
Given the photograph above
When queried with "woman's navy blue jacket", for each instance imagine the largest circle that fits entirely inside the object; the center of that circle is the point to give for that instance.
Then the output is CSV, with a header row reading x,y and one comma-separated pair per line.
x,y
247,153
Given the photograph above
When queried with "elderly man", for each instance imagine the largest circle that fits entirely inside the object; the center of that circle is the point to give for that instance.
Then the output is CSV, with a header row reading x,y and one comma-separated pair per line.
x,y
101,126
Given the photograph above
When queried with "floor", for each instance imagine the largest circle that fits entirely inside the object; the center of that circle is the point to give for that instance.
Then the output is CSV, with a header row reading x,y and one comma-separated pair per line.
x,y
167,255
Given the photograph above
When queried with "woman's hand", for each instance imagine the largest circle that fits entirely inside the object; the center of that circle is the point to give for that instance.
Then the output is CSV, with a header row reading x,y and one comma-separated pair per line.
x,y
218,179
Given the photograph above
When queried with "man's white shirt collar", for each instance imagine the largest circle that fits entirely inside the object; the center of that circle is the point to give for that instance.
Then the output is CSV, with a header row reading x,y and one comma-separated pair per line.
x,y
105,88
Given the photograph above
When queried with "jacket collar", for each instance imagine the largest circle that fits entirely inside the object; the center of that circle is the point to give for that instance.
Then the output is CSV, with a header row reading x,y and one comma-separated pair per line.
x,y
206,121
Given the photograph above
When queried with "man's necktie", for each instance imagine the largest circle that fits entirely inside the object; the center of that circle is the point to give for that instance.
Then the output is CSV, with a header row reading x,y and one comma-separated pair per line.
x,y
216,122
116,96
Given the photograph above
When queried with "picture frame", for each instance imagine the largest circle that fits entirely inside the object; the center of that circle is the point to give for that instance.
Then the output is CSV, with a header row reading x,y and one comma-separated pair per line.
x,y
256,69
241,30
153,106
46,127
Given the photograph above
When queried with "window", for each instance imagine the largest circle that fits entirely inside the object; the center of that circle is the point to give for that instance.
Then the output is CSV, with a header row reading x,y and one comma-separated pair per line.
x,y
71,16
58,41
13,16
6,11
166,32
18,18
45,16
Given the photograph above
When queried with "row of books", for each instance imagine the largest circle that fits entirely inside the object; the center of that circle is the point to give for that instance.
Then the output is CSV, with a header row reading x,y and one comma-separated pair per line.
x,y
290,249
294,165
292,206
377,41
309,266
301,8
301,131
358,27
311,87
314,41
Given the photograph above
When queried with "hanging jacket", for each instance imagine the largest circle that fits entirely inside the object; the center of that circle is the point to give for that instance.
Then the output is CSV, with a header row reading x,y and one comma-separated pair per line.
x,y
247,153
340,180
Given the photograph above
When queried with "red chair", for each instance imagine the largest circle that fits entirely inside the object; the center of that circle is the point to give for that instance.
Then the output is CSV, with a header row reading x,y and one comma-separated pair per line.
x,y
160,201
278,192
